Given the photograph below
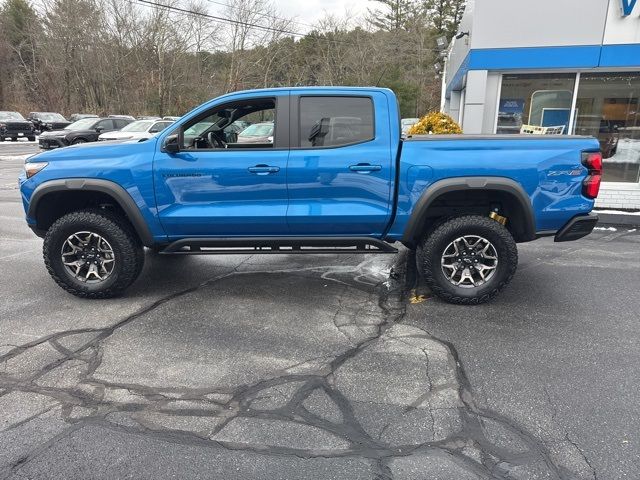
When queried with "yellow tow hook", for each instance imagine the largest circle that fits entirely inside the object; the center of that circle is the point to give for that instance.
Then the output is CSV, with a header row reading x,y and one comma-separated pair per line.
x,y
498,218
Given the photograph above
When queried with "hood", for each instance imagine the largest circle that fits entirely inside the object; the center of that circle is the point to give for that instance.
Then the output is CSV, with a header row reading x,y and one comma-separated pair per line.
x,y
93,150
16,122
57,133
118,135
64,131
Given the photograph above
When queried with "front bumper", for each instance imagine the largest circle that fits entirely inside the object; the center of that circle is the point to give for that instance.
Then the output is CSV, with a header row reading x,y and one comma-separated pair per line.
x,y
48,143
578,227
19,133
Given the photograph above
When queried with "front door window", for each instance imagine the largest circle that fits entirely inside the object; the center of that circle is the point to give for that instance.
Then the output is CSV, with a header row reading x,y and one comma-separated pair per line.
x,y
245,124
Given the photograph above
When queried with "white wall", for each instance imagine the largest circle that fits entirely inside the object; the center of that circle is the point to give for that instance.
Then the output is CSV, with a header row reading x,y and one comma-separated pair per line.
x,y
474,101
521,23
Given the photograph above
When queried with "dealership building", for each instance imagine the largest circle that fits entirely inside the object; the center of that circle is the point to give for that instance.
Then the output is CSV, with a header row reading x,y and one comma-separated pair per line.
x,y
570,66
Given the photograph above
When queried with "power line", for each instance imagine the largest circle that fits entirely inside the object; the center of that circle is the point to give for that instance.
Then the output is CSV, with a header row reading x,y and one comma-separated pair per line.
x,y
275,17
236,22
253,25
221,19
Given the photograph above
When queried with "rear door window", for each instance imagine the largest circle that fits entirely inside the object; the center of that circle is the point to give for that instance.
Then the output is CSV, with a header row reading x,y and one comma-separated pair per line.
x,y
335,121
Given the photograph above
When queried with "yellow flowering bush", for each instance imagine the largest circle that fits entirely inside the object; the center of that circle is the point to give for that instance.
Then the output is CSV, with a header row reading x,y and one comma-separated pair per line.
x,y
435,123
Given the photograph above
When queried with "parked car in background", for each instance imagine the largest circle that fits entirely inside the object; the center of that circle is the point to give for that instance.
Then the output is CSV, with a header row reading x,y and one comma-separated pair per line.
x,y
148,117
606,131
257,133
45,121
13,126
138,130
82,131
169,117
79,116
126,117
407,123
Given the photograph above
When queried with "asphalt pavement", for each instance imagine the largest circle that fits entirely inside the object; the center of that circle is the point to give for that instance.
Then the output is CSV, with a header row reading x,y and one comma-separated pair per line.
x,y
320,366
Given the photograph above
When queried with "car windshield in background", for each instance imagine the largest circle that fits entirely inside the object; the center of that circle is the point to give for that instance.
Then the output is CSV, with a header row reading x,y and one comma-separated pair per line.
x,y
140,126
10,116
258,130
84,124
51,117
197,129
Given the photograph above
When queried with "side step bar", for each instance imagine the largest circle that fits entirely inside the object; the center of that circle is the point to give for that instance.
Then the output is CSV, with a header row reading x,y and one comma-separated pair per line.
x,y
228,246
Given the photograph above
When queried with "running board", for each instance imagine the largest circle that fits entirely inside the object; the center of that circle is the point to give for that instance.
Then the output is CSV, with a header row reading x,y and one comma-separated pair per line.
x,y
228,246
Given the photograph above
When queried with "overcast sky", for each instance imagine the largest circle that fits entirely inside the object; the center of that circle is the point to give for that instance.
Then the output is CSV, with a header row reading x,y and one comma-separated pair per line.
x,y
309,11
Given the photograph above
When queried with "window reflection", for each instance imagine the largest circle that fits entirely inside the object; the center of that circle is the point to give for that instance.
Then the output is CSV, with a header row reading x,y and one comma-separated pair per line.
x,y
535,100
607,108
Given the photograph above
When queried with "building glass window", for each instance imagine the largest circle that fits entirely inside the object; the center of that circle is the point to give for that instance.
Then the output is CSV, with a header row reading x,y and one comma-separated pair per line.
x,y
607,108
540,100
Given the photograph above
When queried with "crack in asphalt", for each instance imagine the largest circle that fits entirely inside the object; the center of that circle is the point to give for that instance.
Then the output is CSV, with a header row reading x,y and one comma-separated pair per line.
x,y
230,405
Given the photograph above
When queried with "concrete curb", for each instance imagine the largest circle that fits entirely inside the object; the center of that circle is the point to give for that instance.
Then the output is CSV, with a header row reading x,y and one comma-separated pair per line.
x,y
618,219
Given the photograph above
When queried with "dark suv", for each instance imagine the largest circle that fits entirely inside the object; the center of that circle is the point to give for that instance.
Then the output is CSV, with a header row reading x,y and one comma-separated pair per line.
x,y
14,126
45,121
82,131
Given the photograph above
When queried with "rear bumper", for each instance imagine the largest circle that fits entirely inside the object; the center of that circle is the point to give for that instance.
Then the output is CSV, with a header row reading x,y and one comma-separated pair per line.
x,y
577,227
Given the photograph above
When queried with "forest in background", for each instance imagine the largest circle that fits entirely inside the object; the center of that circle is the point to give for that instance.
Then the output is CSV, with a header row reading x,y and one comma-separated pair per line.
x,y
164,57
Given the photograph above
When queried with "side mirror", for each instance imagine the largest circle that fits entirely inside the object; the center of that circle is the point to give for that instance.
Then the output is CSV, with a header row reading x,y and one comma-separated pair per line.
x,y
171,143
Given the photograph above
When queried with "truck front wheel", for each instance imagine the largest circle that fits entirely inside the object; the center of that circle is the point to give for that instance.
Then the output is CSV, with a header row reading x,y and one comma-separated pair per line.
x,y
468,260
93,253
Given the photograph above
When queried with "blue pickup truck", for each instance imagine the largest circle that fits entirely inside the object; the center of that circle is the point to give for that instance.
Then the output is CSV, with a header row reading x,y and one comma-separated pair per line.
x,y
327,171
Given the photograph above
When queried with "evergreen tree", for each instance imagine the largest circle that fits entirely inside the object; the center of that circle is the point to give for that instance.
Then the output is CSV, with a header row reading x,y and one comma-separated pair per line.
x,y
394,15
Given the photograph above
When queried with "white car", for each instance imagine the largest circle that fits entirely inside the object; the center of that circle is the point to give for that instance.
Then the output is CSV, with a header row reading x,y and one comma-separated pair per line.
x,y
139,130
407,123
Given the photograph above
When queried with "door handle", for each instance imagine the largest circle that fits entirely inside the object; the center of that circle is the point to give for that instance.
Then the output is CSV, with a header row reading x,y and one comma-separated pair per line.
x,y
263,169
365,168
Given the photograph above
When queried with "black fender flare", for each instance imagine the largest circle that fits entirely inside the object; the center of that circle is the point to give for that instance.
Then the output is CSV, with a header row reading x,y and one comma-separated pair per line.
x,y
119,194
414,225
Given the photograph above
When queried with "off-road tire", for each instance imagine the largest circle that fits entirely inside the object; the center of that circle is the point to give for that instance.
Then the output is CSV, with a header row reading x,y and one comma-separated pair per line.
x,y
432,248
127,247
31,139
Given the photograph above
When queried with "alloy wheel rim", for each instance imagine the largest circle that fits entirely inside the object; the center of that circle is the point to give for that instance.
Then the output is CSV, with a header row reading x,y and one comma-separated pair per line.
x,y
469,261
88,257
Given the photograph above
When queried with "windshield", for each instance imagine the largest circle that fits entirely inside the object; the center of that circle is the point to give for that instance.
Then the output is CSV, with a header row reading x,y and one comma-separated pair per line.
x,y
140,126
51,117
258,130
84,124
197,129
10,116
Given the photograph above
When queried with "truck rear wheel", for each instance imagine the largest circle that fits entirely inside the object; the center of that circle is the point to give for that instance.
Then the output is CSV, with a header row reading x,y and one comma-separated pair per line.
x,y
93,253
468,260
